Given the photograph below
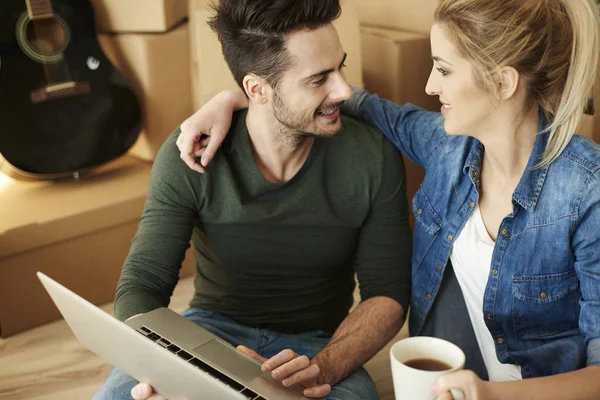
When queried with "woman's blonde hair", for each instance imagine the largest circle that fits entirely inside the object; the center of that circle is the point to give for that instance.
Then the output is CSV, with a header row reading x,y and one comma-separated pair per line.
x,y
553,44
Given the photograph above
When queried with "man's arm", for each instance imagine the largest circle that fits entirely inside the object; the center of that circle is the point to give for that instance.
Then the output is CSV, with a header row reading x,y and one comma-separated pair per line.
x,y
383,265
362,334
367,329
151,269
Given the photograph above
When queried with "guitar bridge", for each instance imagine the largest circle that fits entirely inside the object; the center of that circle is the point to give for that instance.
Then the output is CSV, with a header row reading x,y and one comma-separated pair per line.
x,y
60,91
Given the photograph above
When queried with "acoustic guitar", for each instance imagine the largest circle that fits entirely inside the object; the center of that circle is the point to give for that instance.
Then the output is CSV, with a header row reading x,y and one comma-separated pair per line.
x,y
64,108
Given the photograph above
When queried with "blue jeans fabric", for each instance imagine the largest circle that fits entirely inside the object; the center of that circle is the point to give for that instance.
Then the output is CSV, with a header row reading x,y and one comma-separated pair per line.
x,y
357,386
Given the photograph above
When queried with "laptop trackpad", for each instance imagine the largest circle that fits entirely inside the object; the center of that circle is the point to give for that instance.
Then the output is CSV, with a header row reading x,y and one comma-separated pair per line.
x,y
229,359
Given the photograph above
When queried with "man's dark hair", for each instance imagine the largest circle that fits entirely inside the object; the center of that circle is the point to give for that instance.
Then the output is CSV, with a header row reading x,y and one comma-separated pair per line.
x,y
253,32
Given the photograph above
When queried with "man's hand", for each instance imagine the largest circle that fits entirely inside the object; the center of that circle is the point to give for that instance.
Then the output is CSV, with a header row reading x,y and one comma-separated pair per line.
x,y
290,369
143,391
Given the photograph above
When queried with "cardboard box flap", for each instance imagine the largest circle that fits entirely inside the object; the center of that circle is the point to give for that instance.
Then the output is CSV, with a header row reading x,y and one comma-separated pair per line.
x,y
392,35
407,15
35,214
139,15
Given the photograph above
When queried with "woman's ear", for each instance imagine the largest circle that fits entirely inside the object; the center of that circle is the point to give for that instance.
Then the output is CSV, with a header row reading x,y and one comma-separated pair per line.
x,y
508,82
256,88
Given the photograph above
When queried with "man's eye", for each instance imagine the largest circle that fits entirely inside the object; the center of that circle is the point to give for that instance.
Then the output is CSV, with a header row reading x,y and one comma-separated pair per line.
x,y
320,81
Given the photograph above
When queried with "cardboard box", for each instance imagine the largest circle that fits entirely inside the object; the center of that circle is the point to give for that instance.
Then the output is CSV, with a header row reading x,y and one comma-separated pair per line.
x,y
210,73
139,15
157,67
396,66
586,126
409,15
590,122
76,231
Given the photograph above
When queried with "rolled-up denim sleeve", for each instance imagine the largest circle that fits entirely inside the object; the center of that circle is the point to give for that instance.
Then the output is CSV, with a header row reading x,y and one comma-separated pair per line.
x,y
416,132
586,246
593,352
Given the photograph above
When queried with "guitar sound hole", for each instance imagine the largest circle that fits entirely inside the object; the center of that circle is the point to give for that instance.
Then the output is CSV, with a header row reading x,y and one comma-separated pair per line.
x,y
47,36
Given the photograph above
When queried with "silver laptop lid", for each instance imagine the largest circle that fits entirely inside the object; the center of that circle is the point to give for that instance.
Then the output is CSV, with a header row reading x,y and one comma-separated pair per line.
x,y
137,356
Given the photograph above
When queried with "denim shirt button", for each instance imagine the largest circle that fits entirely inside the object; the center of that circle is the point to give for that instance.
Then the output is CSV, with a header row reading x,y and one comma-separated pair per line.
x,y
419,211
472,204
450,238
500,340
488,316
428,296
495,271
543,295
439,268
504,232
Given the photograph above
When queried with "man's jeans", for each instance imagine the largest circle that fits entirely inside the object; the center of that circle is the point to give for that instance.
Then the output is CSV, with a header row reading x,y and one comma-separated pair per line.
x,y
357,386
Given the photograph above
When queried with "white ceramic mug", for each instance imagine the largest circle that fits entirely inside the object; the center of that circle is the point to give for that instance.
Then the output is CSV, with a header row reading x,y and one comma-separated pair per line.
x,y
416,384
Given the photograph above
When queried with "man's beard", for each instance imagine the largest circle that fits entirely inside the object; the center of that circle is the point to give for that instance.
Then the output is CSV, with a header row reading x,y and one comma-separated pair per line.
x,y
295,126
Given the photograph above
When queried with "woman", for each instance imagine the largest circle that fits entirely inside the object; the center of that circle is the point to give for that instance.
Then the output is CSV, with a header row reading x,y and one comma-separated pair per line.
x,y
510,203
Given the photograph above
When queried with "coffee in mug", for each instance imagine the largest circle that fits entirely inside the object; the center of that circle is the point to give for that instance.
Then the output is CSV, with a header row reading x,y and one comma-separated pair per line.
x,y
418,361
427,364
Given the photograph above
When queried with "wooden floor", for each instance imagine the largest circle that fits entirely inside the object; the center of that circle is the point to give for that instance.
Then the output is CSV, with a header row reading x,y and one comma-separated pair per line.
x,y
47,363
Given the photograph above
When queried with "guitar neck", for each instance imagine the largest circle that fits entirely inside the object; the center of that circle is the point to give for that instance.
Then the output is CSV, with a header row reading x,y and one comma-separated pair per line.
x,y
39,9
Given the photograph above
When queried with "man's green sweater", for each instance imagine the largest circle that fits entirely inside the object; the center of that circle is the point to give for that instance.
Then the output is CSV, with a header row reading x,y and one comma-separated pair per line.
x,y
275,256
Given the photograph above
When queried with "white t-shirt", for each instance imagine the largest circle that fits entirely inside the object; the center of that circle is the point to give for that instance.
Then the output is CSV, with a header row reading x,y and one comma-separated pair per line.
x,y
472,258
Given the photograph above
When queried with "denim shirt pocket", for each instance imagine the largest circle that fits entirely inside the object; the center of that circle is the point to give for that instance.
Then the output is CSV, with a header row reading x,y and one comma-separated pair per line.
x,y
545,306
427,227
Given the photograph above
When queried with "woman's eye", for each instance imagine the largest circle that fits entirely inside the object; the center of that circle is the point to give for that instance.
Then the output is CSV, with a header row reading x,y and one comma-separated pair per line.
x,y
442,71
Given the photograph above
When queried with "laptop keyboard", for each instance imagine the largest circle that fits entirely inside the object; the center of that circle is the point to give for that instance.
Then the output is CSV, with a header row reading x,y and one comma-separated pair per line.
x,y
196,362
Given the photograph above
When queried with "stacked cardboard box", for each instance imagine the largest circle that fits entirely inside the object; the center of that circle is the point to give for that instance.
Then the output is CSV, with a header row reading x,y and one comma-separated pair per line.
x,y
405,15
396,66
157,67
148,41
76,231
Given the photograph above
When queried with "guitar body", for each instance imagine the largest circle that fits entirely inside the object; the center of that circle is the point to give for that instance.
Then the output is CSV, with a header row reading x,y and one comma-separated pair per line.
x,y
64,108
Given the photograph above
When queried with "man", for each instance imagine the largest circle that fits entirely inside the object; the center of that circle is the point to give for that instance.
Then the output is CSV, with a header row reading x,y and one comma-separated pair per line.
x,y
297,200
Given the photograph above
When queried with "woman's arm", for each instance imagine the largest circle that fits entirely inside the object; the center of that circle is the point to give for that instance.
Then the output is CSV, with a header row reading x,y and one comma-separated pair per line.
x,y
415,132
202,133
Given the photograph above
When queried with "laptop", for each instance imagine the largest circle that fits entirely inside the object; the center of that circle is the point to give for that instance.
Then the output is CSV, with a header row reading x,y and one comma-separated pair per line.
x,y
178,358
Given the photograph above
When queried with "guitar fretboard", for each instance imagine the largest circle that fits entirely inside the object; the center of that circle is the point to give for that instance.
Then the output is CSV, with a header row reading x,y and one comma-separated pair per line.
x,y
40,8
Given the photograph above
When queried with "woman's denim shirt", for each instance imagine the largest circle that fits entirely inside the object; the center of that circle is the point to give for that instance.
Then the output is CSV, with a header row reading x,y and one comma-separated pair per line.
x,y
542,300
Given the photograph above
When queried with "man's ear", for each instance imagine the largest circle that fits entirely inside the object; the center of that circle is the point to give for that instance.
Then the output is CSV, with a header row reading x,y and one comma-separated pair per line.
x,y
508,82
256,88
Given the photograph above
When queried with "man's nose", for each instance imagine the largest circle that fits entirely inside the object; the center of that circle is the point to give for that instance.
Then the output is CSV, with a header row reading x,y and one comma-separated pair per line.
x,y
341,89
